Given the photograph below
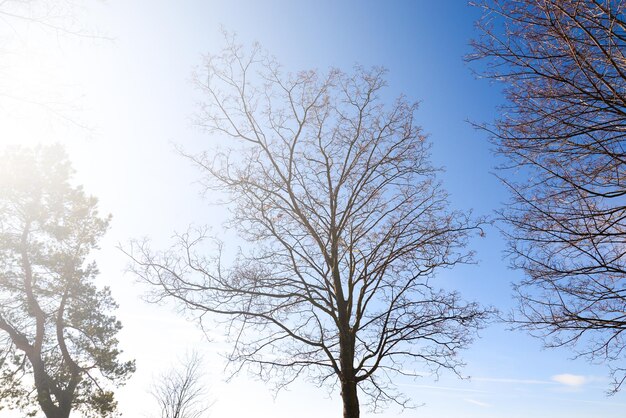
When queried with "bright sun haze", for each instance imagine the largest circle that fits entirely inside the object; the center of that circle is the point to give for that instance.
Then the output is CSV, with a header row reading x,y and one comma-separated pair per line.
x,y
116,91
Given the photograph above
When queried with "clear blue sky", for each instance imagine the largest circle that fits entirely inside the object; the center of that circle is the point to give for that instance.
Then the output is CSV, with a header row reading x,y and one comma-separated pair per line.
x,y
134,95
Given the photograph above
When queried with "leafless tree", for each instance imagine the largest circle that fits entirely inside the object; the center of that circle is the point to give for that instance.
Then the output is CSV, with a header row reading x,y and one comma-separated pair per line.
x,y
58,16
346,225
31,33
562,129
180,392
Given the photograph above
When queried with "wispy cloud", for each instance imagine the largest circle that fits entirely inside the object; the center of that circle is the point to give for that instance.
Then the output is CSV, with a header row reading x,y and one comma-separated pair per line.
x,y
571,381
514,381
443,388
479,403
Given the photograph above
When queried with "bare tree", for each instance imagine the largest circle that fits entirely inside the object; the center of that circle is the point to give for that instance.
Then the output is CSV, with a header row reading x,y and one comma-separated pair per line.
x,y
58,16
346,226
562,129
58,345
32,31
179,392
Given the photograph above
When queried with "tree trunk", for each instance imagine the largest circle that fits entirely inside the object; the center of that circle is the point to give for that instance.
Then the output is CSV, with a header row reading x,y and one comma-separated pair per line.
x,y
50,409
44,397
58,413
350,398
346,360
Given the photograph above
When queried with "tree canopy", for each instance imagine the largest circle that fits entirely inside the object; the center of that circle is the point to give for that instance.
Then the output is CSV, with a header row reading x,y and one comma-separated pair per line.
x,y
59,346
346,226
562,130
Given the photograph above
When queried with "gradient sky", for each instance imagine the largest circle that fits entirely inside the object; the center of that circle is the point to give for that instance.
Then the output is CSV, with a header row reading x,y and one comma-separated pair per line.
x,y
120,104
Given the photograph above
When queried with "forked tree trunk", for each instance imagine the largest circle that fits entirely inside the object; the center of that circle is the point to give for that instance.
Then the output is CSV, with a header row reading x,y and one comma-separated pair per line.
x,y
350,399
44,398
50,409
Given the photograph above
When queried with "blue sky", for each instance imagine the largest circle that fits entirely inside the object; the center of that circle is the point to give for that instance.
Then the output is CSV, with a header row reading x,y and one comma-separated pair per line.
x,y
134,97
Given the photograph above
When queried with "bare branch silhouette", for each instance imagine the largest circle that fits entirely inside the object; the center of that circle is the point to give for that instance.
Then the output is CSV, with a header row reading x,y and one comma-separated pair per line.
x,y
180,392
562,129
347,226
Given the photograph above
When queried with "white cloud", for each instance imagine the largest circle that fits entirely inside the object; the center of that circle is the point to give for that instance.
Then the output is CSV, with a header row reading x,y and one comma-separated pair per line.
x,y
571,380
